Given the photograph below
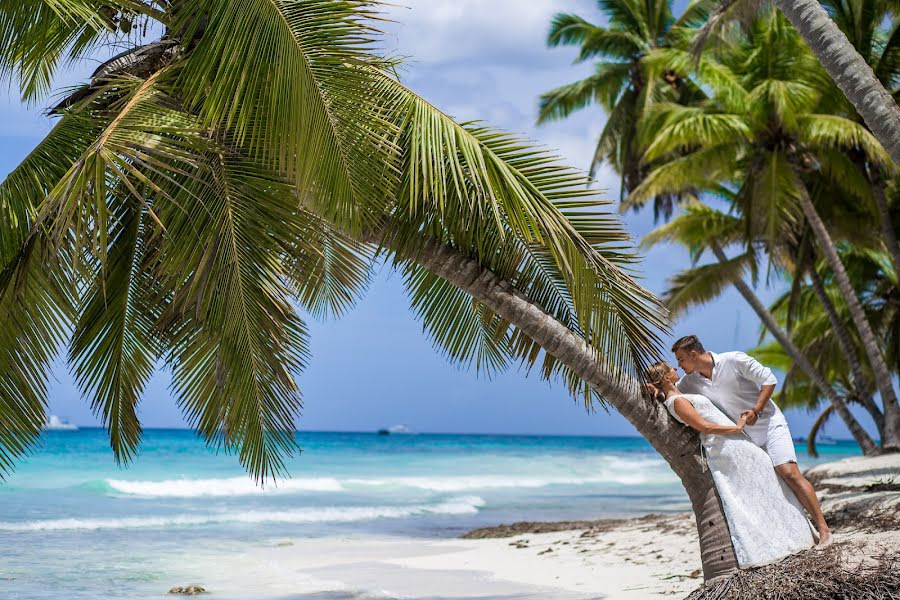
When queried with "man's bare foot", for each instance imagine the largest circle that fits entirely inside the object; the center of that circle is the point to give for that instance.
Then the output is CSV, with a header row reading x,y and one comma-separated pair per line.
x,y
825,538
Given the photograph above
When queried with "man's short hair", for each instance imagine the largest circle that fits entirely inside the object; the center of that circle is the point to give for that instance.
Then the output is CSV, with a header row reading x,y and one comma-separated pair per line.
x,y
688,343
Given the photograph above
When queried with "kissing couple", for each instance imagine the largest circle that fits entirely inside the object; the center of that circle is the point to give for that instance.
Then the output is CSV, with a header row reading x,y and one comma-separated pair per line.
x,y
743,435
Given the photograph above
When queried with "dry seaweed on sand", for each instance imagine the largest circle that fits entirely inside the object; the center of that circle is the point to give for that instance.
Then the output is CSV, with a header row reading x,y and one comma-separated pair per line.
x,y
828,574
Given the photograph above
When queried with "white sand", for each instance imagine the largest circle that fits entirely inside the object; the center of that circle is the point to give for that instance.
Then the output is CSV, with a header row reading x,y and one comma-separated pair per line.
x,y
644,558
651,557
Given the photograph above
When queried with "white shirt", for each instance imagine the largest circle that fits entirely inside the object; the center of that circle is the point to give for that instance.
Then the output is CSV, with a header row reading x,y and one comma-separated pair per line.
x,y
734,388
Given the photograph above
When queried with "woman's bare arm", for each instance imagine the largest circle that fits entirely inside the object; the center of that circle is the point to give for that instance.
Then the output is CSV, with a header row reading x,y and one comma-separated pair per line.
x,y
687,412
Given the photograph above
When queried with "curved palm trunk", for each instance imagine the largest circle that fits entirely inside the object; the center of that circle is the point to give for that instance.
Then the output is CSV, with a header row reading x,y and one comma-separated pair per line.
x,y
859,434
857,377
883,380
814,431
678,445
848,69
887,225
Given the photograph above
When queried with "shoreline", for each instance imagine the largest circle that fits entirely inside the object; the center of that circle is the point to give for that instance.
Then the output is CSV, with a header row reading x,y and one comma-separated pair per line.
x,y
646,557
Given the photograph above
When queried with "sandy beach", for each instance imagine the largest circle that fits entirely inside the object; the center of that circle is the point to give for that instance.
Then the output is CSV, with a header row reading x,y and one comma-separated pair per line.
x,y
655,556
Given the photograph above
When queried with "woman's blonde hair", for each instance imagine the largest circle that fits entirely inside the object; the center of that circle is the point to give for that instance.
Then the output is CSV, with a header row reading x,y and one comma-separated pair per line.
x,y
657,372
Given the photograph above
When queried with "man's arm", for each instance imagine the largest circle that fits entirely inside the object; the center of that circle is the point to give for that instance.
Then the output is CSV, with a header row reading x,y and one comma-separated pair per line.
x,y
751,369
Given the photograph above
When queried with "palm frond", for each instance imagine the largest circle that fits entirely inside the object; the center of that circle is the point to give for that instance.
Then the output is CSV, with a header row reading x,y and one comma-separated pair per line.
x,y
570,30
696,228
833,132
328,270
686,127
604,87
489,176
113,350
699,285
768,199
704,168
234,338
38,37
628,14
464,330
36,308
297,84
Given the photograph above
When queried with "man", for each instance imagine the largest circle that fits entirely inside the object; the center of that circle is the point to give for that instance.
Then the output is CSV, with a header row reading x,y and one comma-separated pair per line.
x,y
740,386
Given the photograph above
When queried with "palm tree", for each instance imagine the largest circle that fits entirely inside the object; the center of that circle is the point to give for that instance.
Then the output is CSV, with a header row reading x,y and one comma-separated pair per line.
x,y
862,22
767,132
848,69
843,63
874,279
261,155
620,83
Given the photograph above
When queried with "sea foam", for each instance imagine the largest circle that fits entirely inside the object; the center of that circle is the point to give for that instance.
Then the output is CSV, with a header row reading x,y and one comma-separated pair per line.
x,y
454,506
230,486
614,471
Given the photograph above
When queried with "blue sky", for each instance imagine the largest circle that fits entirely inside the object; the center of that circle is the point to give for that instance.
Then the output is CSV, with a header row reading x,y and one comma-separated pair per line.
x,y
375,367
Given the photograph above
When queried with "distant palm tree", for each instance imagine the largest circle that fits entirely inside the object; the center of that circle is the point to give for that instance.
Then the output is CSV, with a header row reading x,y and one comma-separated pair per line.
x,y
849,67
621,84
767,131
814,329
260,155
862,22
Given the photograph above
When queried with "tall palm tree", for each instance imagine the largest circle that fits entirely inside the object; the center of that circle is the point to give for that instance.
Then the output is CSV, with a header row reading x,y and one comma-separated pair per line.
x,y
767,132
261,155
620,84
842,61
862,22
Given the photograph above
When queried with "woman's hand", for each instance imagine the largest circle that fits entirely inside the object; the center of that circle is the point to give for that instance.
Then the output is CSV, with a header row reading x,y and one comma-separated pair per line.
x,y
742,421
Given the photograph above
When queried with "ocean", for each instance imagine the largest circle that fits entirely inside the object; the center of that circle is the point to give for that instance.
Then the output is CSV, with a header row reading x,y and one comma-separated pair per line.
x,y
75,526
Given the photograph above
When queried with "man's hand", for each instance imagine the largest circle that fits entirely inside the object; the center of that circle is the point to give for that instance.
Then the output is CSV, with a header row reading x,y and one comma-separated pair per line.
x,y
750,417
651,392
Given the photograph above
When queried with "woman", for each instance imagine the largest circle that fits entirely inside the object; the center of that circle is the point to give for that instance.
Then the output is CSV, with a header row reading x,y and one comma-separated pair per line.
x,y
765,519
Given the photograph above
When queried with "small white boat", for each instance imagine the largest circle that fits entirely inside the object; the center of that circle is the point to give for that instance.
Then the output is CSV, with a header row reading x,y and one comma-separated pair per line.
x,y
399,429
55,423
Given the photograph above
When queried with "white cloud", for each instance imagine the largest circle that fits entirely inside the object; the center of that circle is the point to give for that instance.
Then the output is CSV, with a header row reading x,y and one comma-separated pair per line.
x,y
443,31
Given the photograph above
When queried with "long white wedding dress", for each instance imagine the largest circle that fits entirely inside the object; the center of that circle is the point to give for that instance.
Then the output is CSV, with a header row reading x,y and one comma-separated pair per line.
x,y
765,519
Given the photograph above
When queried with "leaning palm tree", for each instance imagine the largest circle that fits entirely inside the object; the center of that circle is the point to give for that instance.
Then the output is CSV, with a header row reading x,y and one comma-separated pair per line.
x,y
259,156
767,132
620,84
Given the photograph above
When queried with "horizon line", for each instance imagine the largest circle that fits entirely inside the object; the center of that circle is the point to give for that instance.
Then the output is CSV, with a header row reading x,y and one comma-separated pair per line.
x,y
375,432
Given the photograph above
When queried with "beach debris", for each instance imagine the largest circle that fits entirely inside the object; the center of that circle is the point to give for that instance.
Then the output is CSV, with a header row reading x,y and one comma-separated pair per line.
x,y
191,590
843,570
545,551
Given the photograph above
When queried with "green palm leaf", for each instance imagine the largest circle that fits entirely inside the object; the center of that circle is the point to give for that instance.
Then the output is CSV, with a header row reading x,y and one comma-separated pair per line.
x,y
36,306
699,285
296,84
233,335
113,350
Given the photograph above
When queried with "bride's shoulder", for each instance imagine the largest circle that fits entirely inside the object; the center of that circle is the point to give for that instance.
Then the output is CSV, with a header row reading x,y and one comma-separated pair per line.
x,y
671,399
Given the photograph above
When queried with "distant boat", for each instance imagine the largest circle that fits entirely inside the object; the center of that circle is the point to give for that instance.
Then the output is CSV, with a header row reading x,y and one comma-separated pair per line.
x,y
824,439
395,429
55,423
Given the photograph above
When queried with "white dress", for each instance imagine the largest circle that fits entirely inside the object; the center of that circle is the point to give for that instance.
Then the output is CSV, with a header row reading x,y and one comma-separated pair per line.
x,y
765,519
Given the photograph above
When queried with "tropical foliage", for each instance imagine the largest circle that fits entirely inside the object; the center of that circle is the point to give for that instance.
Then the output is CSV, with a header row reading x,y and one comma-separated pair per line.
x,y
207,189
790,181
621,83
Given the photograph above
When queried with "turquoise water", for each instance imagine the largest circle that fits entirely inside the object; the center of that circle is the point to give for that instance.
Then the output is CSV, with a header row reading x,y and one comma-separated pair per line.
x,y
73,525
